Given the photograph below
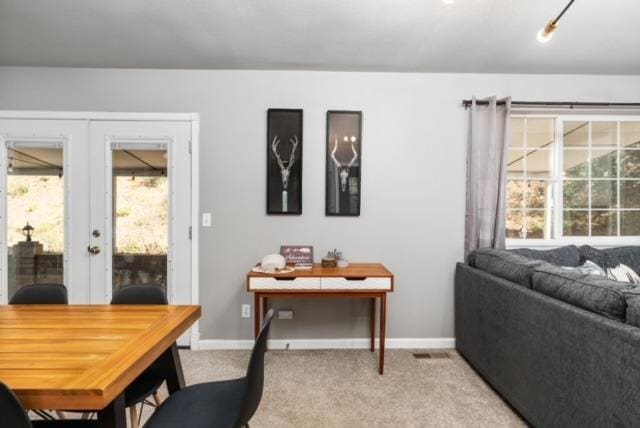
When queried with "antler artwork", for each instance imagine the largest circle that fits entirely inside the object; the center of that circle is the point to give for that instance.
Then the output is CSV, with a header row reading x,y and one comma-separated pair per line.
x,y
343,170
285,170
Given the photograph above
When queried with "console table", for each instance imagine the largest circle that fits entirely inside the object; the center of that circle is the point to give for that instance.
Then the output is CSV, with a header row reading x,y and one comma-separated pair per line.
x,y
360,280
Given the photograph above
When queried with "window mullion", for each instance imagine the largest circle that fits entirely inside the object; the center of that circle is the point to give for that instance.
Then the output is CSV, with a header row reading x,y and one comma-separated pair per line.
x,y
618,200
590,182
526,182
558,183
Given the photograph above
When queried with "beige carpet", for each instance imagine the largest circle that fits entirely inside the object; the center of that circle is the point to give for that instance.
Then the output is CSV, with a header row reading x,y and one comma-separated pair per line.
x,y
341,388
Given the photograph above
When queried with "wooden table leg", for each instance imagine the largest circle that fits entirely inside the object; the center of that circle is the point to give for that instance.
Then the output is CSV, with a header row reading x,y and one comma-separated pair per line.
x,y
113,416
383,321
256,315
172,369
373,323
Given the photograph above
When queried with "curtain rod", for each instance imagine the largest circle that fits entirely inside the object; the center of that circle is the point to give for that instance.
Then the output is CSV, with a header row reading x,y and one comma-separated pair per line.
x,y
568,104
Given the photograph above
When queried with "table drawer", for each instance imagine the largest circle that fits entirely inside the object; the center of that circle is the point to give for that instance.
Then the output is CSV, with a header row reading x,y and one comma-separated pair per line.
x,y
274,283
338,283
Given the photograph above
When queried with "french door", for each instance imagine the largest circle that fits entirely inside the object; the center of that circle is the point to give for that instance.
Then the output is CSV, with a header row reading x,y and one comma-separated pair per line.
x,y
95,205
140,207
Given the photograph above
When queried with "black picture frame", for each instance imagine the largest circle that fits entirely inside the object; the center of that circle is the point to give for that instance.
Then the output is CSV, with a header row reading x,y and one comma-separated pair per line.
x,y
343,167
285,127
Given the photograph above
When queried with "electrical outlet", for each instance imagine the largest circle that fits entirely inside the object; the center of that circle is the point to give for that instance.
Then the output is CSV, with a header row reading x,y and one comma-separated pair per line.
x,y
285,314
246,311
206,219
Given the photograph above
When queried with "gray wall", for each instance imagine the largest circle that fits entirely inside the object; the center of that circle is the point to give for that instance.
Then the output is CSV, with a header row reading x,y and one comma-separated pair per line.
x,y
413,175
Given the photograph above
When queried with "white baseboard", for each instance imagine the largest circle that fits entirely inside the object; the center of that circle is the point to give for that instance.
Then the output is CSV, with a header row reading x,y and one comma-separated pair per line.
x,y
391,343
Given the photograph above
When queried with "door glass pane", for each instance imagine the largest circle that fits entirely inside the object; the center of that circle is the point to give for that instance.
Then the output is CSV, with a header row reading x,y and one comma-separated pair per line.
x,y
575,133
575,223
540,132
604,134
515,224
630,194
517,133
630,161
140,217
539,194
515,194
536,221
35,216
630,134
515,163
604,163
604,194
604,223
576,193
630,223
576,163
539,163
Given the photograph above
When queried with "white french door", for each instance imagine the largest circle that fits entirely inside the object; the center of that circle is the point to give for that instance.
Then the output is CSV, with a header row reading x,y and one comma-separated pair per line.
x,y
140,207
96,205
40,188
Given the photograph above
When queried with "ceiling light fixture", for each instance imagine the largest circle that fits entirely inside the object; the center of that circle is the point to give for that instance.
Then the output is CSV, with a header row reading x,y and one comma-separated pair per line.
x,y
546,32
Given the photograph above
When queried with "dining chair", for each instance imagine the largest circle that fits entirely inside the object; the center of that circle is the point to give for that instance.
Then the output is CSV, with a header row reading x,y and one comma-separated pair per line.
x,y
223,404
13,414
40,294
147,384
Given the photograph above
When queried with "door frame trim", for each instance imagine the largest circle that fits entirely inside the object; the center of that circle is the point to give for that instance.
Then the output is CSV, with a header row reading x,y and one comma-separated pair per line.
x,y
194,118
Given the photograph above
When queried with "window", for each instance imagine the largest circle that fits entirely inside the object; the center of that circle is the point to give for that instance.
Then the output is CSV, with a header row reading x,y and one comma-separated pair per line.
x,y
573,177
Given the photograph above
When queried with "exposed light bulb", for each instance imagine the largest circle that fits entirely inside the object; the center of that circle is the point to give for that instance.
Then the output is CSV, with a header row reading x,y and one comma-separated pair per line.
x,y
345,139
10,169
353,139
546,33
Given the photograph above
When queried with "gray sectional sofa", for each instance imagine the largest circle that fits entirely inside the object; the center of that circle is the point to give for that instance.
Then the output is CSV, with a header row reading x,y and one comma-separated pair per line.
x,y
562,347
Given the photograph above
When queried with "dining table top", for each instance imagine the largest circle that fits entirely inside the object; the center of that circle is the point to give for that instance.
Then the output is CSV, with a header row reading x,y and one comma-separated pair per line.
x,y
80,357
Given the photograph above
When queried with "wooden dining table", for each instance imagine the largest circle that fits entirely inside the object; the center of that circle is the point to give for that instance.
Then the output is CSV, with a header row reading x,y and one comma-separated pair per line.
x,y
82,357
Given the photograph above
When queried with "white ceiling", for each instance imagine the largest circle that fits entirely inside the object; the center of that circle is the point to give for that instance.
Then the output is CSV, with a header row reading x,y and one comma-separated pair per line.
x,y
595,36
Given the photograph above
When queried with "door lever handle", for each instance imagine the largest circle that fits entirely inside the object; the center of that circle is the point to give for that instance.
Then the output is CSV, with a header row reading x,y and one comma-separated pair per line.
x,y
93,250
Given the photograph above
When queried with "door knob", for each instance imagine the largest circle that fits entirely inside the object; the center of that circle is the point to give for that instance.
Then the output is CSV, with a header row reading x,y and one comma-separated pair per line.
x,y
93,250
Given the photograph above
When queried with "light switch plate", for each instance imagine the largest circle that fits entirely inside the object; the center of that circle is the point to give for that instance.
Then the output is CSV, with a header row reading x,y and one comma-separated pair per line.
x,y
285,314
206,219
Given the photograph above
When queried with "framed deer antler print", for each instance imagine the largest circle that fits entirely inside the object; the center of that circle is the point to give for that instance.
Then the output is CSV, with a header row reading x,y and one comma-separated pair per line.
x,y
344,163
284,161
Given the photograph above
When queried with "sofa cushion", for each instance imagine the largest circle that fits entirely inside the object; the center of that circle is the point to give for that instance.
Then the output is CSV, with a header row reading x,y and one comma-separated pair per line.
x,y
506,265
569,255
633,306
593,293
612,257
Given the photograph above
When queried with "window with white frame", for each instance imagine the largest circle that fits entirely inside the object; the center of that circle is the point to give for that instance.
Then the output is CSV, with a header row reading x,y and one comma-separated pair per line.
x,y
573,177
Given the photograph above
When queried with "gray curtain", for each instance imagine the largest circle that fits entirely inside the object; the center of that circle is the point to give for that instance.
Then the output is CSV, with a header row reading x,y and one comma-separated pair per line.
x,y
487,145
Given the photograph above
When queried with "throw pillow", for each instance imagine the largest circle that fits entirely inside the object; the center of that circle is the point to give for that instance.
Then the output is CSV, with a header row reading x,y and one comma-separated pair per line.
x,y
589,268
623,273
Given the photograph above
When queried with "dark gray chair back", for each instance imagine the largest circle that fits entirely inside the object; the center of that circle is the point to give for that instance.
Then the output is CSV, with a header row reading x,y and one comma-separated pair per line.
x,y
40,294
11,411
255,373
140,294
